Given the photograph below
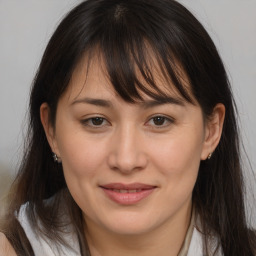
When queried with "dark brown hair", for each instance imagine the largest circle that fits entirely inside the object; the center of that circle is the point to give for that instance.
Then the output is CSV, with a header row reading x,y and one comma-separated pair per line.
x,y
128,35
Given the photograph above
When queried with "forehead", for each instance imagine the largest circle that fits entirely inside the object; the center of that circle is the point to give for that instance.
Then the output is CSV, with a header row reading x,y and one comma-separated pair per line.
x,y
91,77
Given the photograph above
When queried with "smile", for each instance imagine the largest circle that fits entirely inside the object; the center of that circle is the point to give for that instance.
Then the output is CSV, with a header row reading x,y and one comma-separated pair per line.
x,y
127,194
127,191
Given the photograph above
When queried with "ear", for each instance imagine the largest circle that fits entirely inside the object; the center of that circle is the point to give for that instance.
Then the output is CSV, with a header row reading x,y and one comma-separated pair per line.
x,y
213,130
45,114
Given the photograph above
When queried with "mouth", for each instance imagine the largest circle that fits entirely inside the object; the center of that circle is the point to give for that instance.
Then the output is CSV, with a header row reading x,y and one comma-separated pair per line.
x,y
126,190
127,194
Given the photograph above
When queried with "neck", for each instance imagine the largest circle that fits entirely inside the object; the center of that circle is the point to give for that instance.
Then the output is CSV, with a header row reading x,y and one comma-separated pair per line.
x,y
164,240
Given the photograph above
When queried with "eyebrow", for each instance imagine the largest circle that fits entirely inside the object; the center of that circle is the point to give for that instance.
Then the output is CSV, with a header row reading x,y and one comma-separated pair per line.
x,y
162,101
144,104
92,101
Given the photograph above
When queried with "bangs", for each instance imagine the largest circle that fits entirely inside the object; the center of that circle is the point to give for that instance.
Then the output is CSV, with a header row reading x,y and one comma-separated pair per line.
x,y
136,57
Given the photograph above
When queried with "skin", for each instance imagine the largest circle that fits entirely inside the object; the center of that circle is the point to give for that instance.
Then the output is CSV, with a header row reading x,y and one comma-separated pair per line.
x,y
127,145
5,247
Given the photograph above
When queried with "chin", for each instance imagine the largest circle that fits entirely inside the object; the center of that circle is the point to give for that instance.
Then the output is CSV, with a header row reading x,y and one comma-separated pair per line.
x,y
131,226
130,230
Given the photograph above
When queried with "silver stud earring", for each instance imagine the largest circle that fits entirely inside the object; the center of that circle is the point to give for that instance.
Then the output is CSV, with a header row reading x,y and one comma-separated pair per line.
x,y
209,156
56,158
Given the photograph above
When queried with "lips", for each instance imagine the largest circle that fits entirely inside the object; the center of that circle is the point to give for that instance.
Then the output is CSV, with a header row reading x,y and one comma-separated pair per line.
x,y
127,194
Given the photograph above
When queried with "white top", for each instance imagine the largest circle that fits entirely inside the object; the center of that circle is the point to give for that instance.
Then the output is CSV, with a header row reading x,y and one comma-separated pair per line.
x,y
44,247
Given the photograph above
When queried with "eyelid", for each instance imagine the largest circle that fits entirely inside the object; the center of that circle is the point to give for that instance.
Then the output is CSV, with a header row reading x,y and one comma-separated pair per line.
x,y
85,121
170,120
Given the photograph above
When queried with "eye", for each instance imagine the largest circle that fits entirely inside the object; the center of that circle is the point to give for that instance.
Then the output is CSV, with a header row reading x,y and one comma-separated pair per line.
x,y
95,122
160,121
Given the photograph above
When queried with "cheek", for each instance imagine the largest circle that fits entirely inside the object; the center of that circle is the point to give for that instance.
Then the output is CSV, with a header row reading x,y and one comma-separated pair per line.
x,y
178,162
80,157
82,163
179,155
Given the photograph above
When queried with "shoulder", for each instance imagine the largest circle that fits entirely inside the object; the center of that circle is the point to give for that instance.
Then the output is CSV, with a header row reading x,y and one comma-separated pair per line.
x,y
5,247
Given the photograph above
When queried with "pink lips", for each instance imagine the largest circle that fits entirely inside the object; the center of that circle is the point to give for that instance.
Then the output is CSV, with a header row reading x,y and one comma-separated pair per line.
x,y
127,194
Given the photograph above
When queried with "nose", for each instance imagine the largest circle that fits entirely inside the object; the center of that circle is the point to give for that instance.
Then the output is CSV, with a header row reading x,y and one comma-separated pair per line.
x,y
127,151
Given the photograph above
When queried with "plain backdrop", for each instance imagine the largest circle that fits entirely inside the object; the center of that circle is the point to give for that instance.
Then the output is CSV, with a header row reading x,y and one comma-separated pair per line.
x,y
26,26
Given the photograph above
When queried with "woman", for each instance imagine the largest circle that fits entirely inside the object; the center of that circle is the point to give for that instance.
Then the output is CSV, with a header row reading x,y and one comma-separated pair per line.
x,y
133,102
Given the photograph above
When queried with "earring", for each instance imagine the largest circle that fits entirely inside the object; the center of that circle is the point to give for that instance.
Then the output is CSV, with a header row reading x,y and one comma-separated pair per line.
x,y
56,158
209,156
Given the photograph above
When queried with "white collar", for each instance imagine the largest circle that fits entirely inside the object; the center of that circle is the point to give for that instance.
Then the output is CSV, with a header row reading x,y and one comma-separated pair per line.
x,y
43,246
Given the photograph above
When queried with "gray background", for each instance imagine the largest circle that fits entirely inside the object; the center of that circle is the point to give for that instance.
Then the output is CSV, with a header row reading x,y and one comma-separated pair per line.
x,y
26,26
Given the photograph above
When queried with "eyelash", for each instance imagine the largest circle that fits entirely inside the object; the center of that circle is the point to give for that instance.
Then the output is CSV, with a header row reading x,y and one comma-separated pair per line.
x,y
166,120
89,121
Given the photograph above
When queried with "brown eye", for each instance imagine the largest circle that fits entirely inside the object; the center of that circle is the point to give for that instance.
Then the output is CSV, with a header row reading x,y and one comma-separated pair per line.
x,y
97,121
159,120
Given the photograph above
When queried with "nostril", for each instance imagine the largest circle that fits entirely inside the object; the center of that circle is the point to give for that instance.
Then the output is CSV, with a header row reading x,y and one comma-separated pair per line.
x,y
127,150
127,164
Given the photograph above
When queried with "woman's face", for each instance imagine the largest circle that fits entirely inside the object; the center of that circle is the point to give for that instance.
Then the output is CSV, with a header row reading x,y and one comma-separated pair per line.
x,y
131,168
